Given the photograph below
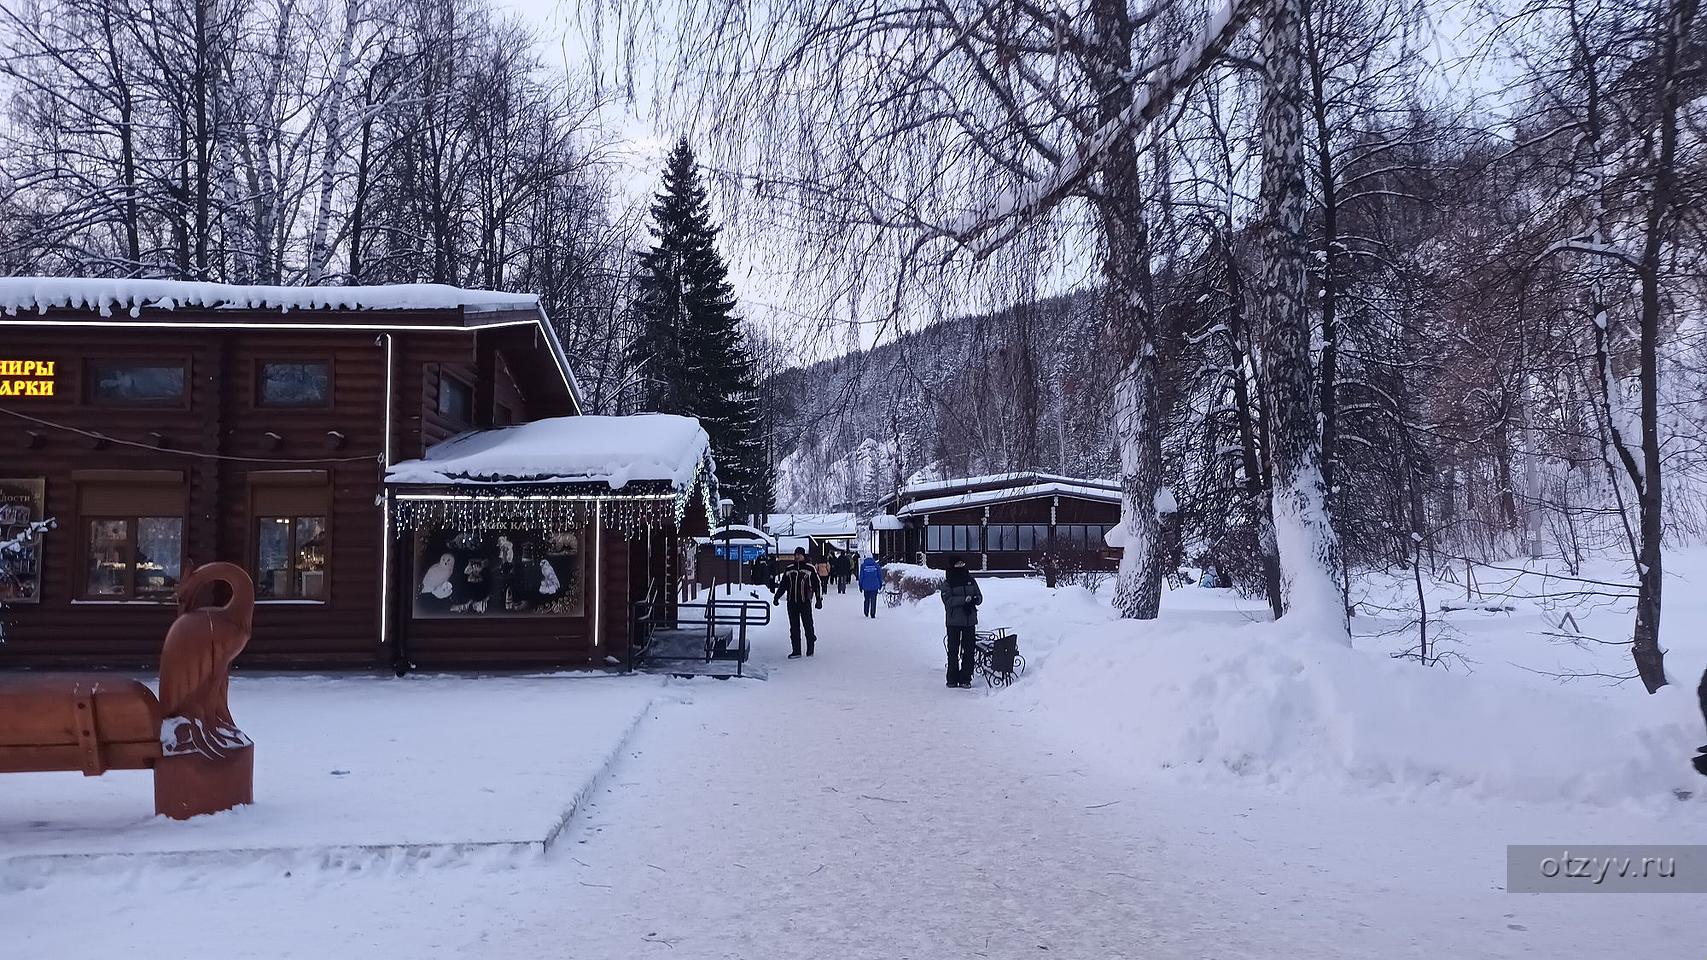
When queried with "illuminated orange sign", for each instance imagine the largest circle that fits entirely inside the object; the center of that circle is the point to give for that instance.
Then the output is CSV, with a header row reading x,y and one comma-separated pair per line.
x,y
26,378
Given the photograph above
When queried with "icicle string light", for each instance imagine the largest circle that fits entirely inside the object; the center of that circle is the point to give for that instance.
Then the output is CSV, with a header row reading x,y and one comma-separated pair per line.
x,y
550,507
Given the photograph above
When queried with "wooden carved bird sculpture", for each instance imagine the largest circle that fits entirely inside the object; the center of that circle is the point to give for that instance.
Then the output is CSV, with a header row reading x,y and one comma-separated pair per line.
x,y
195,664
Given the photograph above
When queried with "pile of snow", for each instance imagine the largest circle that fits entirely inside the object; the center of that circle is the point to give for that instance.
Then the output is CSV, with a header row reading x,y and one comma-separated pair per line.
x,y
612,450
105,295
1213,693
913,580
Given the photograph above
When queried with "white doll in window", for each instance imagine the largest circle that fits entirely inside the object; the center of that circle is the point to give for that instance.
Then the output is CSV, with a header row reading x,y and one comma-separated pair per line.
x,y
436,581
548,583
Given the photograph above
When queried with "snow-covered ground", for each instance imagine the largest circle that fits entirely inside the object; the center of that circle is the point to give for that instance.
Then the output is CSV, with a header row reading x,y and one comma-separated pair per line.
x,y
1201,786
356,762
1211,693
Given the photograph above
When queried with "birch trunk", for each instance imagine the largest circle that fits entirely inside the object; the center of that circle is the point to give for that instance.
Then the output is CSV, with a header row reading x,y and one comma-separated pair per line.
x,y
319,249
1308,549
1129,311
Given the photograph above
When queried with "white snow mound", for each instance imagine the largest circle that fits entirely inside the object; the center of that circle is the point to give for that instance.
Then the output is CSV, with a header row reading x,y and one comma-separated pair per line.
x,y
1254,701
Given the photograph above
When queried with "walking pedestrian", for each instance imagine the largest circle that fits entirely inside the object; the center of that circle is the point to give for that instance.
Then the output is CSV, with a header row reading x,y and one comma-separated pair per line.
x,y
823,569
960,600
870,581
764,571
799,583
842,568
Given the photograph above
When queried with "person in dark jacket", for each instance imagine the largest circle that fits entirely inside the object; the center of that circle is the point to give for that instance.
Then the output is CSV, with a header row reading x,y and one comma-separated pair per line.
x,y
870,581
960,600
764,571
799,583
842,568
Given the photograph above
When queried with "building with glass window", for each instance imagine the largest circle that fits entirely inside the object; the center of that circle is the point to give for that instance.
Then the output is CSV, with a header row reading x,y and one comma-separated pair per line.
x,y
404,471
1011,523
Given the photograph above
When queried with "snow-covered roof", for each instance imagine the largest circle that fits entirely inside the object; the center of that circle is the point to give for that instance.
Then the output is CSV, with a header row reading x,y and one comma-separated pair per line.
x,y
155,303
812,525
1022,477
1004,494
616,451
884,521
741,533
40,294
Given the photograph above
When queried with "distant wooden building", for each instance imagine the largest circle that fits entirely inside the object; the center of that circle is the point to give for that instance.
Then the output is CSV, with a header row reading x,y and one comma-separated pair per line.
x,y
403,470
1012,523
820,533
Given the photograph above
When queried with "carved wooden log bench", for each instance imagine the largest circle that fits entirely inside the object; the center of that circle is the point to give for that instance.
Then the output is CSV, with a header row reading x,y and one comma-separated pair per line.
x,y
202,763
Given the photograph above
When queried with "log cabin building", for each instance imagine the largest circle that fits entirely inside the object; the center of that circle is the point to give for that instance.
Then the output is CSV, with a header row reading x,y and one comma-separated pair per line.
x,y
1003,524
404,471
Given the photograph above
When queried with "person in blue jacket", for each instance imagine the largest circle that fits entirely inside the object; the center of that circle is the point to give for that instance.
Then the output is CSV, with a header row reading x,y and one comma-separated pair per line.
x,y
870,581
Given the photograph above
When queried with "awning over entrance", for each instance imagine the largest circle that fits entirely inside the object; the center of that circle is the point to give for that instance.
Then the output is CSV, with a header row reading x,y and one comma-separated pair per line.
x,y
562,473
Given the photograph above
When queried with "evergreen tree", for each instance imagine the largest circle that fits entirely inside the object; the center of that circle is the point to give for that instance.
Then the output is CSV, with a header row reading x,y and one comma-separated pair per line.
x,y
691,355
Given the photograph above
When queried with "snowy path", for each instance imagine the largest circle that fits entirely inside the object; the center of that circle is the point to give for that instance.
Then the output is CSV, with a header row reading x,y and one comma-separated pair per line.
x,y
852,807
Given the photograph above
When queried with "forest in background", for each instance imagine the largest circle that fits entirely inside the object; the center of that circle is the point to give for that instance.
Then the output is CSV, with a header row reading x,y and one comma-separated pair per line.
x,y
316,142
1486,289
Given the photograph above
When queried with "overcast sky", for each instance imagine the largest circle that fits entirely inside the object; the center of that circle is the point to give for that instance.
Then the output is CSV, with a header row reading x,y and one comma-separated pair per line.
x,y
766,297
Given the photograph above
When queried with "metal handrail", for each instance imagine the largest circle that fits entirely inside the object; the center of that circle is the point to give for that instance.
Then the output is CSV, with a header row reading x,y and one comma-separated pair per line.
x,y
739,612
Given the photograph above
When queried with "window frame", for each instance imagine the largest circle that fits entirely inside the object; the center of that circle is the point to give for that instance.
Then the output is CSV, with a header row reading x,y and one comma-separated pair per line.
x,y
257,398
293,594
91,382
439,400
291,494
132,528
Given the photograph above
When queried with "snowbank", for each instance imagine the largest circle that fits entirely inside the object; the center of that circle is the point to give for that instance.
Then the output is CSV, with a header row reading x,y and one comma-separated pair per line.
x,y
1211,693
913,580
613,450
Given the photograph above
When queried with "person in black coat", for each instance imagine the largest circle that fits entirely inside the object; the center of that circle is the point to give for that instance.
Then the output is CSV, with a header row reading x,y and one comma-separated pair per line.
x,y
960,600
764,571
799,582
841,568
1700,760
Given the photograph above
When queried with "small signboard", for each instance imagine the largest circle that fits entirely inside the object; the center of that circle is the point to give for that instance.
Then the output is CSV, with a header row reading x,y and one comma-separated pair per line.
x,y
26,378
21,504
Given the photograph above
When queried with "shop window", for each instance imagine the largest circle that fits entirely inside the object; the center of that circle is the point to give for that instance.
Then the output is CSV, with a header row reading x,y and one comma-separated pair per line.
x,y
22,502
1006,536
132,533
966,538
131,383
292,545
955,537
294,383
456,400
134,558
504,572
1034,536
292,558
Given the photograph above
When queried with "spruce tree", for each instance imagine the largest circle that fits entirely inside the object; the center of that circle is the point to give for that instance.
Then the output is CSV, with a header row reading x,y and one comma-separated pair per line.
x,y
691,356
